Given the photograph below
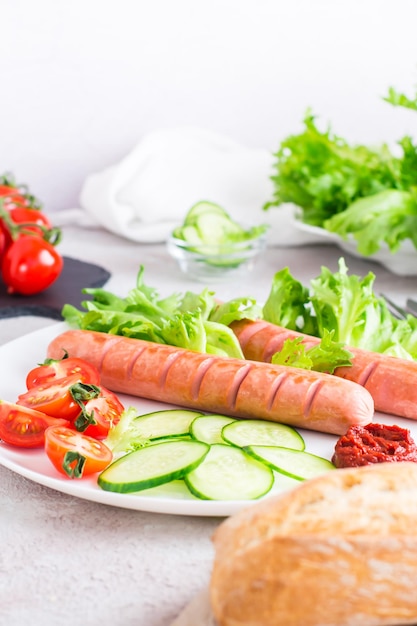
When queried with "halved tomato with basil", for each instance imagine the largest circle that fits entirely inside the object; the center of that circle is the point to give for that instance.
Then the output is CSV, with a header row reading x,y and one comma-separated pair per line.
x,y
75,454
105,411
23,427
54,398
52,369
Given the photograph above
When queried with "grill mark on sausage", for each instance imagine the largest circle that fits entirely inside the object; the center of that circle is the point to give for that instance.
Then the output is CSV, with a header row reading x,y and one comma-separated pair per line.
x,y
274,345
311,395
366,374
137,353
169,362
249,331
200,372
238,379
275,387
106,347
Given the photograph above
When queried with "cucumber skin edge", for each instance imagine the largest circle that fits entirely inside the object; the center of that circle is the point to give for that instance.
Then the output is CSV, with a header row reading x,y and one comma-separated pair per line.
x,y
149,482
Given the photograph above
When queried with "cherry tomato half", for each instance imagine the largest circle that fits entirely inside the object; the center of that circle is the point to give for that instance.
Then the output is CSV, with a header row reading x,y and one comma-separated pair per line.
x,y
30,265
53,369
75,454
53,398
23,427
106,409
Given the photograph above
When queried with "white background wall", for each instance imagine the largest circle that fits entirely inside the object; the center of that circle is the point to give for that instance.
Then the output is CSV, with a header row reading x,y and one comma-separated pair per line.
x,y
82,81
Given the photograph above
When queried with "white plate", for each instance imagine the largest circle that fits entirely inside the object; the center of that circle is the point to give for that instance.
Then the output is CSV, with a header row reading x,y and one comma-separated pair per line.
x,y
402,263
20,355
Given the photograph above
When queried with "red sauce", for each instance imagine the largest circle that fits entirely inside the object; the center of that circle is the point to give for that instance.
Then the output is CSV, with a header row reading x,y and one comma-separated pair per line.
x,y
374,443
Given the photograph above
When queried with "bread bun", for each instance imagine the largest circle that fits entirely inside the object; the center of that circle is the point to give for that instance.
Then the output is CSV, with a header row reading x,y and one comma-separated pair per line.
x,y
339,550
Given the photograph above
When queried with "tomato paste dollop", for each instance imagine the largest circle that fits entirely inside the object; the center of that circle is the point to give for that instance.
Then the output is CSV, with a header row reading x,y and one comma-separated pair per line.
x,y
374,443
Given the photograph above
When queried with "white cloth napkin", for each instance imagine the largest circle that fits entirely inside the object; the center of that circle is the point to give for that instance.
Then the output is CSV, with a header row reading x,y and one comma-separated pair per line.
x,y
149,192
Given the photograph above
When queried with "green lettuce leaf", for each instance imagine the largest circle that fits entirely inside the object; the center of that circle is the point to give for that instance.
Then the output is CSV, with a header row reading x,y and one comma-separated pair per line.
x,y
194,321
325,357
389,216
323,175
345,305
287,304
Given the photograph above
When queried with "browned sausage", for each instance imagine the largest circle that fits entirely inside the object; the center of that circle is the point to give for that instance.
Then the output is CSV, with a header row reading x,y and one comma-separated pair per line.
x,y
216,384
391,381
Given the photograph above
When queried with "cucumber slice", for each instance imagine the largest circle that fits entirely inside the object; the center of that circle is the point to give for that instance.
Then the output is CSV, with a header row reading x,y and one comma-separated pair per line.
x,y
156,425
152,466
297,464
228,473
248,432
202,208
208,428
174,489
216,230
189,234
166,423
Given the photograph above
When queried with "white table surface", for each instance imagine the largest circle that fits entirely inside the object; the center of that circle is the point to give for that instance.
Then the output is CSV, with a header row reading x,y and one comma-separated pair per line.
x,y
66,560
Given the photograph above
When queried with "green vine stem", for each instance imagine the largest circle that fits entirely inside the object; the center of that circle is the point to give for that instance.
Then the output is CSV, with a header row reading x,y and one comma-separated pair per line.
x,y
51,235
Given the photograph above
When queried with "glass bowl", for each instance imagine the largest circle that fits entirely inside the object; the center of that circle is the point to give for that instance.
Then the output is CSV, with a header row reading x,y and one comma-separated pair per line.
x,y
220,261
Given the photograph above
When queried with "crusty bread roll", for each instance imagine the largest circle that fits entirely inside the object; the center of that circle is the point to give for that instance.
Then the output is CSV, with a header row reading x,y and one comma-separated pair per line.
x,y
339,550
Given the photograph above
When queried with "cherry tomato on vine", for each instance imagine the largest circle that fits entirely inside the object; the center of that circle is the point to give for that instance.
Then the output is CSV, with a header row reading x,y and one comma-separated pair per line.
x,y
75,454
28,221
2,242
53,398
34,219
53,369
30,265
106,410
12,196
24,427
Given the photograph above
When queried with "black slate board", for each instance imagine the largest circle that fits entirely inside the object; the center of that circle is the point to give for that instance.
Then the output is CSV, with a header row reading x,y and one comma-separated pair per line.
x,y
67,289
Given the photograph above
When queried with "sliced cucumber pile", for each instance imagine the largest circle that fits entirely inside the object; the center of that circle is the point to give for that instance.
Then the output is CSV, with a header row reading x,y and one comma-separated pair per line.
x,y
209,230
215,457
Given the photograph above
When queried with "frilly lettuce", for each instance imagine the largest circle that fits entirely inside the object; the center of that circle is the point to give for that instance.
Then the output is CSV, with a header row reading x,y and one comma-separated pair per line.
x,y
326,356
366,192
389,216
195,321
344,304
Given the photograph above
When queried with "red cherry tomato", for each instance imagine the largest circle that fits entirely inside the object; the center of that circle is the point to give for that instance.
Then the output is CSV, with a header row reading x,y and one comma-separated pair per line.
x,y
30,265
23,427
53,398
28,219
75,454
53,369
106,410
12,196
3,238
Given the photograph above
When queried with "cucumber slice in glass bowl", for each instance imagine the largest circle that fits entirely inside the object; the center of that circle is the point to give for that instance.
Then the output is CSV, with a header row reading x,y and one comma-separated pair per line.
x,y
209,244
203,208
